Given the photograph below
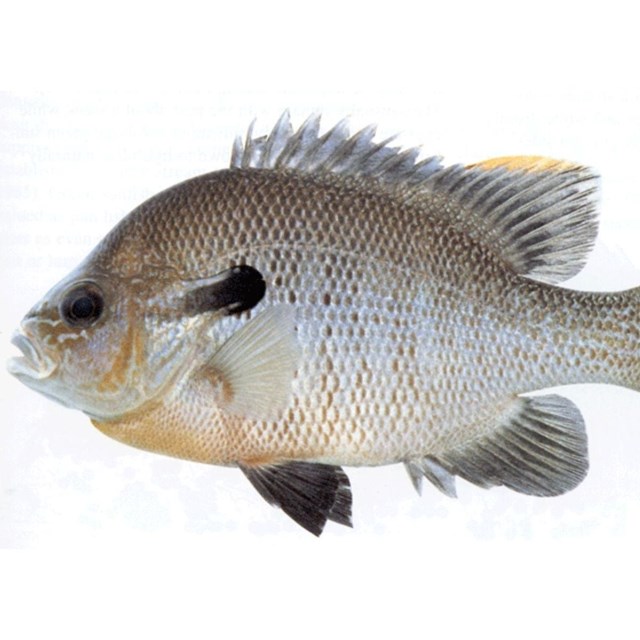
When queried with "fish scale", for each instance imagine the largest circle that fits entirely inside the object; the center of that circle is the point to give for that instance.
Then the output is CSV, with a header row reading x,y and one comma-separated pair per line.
x,y
330,300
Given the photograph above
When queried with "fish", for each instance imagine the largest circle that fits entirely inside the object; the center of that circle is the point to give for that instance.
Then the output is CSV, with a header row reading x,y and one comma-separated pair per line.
x,y
330,300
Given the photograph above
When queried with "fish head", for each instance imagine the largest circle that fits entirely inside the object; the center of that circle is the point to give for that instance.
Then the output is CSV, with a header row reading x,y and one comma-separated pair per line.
x,y
108,343
88,344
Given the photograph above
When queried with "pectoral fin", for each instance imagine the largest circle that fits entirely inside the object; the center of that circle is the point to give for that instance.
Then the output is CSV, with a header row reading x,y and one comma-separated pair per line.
x,y
539,448
258,363
309,493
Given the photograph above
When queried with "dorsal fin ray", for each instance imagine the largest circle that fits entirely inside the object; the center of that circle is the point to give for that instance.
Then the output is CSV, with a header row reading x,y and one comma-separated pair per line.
x,y
538,215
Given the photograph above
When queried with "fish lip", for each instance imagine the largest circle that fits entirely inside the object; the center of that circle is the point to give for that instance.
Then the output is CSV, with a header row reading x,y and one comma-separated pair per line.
x,y
32,363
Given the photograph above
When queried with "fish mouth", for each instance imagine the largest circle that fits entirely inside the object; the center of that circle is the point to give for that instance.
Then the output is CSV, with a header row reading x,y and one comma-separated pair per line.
x,y
32,363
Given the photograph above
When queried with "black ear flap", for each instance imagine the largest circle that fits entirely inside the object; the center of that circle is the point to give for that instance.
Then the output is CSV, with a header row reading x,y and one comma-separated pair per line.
x,y
232,291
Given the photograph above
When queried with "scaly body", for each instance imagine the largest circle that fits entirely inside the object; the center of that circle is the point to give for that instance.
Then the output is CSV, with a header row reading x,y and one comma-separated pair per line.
x,y
403,353
404,309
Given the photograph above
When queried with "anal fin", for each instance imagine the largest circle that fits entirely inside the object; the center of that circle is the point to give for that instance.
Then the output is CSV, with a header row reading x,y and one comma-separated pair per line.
x,y
539,449
434,472
309,493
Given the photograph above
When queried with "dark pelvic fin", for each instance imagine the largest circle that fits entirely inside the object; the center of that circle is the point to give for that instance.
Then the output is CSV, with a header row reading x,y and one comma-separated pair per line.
x,y
540,449
309,493
231,291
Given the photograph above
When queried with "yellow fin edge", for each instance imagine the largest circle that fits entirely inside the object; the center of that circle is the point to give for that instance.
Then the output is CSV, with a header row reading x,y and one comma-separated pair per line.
x,y
529,164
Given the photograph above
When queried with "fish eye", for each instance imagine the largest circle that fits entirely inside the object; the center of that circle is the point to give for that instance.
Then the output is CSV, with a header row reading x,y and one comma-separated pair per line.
x,y
83,305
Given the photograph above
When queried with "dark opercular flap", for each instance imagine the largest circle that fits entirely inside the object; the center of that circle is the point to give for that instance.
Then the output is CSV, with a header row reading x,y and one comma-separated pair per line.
x,y
310,493
231,291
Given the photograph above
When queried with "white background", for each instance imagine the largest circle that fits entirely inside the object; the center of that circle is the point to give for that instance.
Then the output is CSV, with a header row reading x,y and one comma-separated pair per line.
x,y
105,107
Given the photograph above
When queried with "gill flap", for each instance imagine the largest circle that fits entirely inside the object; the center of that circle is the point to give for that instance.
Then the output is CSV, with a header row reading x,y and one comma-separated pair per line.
x,y
231,291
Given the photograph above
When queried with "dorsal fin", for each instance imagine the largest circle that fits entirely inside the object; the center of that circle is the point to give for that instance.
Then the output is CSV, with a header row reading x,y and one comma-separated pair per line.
x,y
537,214
335,151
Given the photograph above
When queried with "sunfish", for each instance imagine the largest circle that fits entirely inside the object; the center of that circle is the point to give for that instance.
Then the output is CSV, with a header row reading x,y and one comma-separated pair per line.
x,y
332,301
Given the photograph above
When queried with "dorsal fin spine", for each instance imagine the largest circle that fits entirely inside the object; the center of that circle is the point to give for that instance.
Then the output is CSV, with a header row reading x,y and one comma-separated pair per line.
x,y
335,151
277,139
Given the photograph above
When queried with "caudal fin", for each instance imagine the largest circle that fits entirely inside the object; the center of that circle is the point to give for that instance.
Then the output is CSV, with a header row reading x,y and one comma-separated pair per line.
x,y
634,333
624,336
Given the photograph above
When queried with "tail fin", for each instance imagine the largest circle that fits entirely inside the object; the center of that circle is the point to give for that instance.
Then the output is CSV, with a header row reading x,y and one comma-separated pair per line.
x,y
620,335
634,333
